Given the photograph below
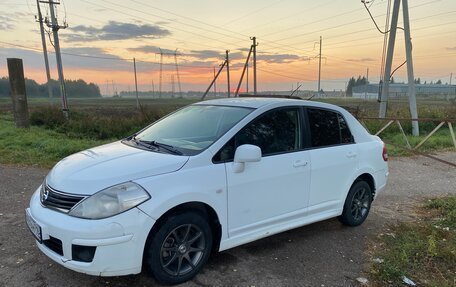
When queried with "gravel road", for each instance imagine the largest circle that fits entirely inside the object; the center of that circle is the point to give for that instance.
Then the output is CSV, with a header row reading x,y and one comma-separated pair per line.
x,y
321,254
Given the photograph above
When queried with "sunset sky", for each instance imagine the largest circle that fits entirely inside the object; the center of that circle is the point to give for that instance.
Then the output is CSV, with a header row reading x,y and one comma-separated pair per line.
x,y
201,31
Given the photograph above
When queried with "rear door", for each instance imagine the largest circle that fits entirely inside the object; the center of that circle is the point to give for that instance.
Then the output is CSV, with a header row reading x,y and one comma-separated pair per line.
x,y
334,159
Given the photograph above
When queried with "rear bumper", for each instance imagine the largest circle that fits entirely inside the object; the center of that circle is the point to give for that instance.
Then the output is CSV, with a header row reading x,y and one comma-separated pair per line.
x,y
119,240
381,179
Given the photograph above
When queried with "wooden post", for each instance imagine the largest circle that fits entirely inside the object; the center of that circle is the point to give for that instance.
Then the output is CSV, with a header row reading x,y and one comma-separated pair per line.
x,y
18,93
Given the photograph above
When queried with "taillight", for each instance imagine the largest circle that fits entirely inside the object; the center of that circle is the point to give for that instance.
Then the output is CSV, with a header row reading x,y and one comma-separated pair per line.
x,y
385,153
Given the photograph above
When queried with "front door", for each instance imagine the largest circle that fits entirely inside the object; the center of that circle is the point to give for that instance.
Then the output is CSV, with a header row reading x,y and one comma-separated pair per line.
x,y
276,188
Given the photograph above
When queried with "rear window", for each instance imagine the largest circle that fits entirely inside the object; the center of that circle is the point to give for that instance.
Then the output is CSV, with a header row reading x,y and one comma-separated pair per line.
x,y
328,128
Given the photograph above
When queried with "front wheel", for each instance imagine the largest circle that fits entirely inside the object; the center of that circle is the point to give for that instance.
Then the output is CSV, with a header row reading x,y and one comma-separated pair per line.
x,y
357,204
180,248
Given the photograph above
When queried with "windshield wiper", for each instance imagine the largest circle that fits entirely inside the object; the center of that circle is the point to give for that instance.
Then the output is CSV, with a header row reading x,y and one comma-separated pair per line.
x,y
169,148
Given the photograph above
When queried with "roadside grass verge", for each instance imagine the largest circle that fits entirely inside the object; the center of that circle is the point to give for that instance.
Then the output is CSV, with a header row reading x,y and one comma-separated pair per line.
x,y
37,146
424,251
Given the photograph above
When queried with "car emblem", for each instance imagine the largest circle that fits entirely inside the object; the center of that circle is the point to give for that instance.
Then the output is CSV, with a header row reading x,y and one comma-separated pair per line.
x,y
45,195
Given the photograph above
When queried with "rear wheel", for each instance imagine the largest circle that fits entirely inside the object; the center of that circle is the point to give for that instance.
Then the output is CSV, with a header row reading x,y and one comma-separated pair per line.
x,y
180,248
357,204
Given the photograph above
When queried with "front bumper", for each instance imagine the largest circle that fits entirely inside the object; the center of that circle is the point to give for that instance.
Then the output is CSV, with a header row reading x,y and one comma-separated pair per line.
x,y
119,240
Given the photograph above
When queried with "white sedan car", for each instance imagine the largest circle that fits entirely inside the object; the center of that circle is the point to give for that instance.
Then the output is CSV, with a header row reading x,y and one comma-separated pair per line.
x,y
208,177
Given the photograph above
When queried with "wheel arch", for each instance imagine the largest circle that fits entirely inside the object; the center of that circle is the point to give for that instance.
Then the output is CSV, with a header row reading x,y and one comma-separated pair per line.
x,y
369,179
196,206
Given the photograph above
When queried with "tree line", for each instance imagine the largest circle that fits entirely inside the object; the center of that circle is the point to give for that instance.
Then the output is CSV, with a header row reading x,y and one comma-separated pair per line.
x,y
74,88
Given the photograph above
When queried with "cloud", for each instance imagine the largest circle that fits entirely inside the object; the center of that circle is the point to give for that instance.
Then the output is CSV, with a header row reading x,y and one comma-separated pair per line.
x,y
278,58
34,59
451,48
150,49
362,60
115,31
205,54
6,23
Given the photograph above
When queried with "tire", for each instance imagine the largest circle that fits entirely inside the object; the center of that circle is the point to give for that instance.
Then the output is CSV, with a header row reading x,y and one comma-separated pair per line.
x,y
357,204
178,250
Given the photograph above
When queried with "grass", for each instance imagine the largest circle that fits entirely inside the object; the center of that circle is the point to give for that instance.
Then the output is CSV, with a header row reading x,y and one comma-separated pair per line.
x,y
94,121
424,251
37,146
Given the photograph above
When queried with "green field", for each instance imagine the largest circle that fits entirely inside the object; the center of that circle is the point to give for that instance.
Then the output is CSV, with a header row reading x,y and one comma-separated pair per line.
x,y
96,121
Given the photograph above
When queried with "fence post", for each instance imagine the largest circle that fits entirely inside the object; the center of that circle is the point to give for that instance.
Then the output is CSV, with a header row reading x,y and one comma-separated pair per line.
x,y
18,93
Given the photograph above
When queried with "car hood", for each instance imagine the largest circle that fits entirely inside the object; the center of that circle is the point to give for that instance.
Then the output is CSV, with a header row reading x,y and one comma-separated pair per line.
x,y
92,170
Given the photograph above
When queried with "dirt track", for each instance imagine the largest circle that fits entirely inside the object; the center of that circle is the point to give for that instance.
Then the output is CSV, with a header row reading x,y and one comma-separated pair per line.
x,y
321,254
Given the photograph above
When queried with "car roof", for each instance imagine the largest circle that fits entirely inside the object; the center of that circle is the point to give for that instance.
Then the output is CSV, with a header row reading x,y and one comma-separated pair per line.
x,y
258,102
255,103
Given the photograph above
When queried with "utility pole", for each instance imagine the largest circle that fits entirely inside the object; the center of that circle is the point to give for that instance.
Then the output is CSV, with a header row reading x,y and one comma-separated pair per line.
x,y
247,80
136,84
215,85
177,72
215,79
227,61
367,75
410,74
243,71
172,86
161,74
43,41
319,69
389,60
55,31
254,45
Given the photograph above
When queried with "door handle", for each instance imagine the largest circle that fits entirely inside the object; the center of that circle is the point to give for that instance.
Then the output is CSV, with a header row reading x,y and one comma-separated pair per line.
x,y
351,154
299,163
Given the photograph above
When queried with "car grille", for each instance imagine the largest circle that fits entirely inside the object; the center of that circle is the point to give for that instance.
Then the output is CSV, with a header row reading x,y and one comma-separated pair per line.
x,y
58,200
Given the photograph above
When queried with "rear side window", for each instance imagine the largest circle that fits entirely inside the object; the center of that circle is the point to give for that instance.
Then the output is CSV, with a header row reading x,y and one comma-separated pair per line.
x,y
328,128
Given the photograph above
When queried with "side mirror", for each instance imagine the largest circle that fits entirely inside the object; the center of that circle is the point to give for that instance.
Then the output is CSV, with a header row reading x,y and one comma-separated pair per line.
x,y
245,153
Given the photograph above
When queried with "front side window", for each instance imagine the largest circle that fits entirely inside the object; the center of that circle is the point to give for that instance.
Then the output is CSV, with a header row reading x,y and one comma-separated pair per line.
x,y
193,128
274,132
327,128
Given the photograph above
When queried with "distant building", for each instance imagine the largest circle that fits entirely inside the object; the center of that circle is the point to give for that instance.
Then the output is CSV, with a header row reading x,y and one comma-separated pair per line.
x,y
371,91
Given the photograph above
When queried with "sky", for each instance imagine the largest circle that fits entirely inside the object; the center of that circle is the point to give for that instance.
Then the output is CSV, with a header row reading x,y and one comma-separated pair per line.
x,y
103,37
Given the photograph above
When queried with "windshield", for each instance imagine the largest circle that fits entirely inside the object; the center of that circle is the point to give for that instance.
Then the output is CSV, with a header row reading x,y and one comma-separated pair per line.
x,y
192,129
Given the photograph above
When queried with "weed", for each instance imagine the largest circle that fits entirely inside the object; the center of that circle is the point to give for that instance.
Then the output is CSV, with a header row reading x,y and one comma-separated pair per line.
x,y
423,251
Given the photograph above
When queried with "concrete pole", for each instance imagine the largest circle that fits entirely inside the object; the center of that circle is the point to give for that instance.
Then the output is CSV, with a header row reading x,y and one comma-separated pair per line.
x,y
213,80
215,85
55,32
227,61
254,65
319,69
247,80
136,84
410,74
43,41
389,59
18,92
236,94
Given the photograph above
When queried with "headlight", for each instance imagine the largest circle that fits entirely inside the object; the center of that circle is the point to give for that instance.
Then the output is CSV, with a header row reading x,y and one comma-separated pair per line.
x,y
110,201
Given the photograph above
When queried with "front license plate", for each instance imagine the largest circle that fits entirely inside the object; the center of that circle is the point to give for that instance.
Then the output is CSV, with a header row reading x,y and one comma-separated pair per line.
x,y
34,228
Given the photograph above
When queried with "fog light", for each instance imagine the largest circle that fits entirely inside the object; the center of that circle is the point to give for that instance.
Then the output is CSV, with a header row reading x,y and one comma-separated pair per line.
x,y
83,253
